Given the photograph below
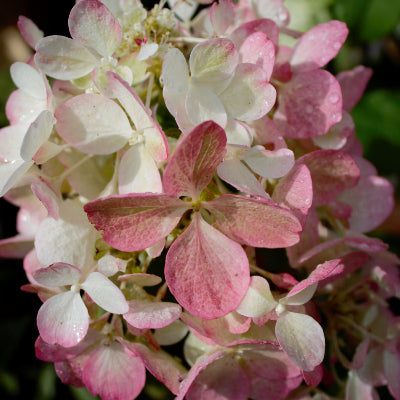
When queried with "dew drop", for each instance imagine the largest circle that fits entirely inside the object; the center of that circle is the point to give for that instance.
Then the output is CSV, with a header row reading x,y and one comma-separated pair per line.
x,y
334,98
337,45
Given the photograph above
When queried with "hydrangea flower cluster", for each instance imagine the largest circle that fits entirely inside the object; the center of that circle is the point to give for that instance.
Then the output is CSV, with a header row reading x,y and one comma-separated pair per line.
x,y
193,179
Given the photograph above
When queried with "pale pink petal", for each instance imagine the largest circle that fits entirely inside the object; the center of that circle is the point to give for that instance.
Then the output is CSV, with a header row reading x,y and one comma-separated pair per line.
x,y
204,261
67,374
391,366
295,191
258,299
222,15
155,250
204,105
93,124
58,274
11,139
91,23
184,10
63,319
356,388
301,296
135,222
44,191
213,62
47,151
332,171
309,105
195,160
160,364
267,26
138,173
105,293
151,315
249,96
113,374
269,164
353,84
29,31
258,223
155,140
171,334
360,354
29,80
314,377
16,247
63,58
38,132
273,10
237,323
238,133
258,49
109,265
302,338
223,379
318,46
238,175
11,173
175,72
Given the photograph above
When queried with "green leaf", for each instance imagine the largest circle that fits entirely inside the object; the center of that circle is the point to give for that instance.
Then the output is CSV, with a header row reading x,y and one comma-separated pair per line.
x,y
377,117
350,11
82,394
380,18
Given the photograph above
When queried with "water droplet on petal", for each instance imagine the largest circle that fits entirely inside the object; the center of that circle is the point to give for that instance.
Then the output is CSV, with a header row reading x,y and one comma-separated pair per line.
x,y
334,98
337,45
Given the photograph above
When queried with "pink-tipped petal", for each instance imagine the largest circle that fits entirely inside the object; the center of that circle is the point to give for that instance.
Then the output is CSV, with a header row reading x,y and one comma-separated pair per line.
x,y
258,223
58,274
63,319
92,24
135,222
29,31
195,160
205,262
318,46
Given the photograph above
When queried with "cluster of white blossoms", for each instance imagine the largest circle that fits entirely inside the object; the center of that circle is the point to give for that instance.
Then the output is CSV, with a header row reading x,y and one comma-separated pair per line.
x,y
159,161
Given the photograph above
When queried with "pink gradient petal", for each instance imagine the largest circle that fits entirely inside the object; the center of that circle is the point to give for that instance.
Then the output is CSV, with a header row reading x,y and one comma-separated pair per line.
x,y
267,26
15,247
29,31
195,160
258,223
222,14
206,272
63,319
151,315
92,24
318,46
332,171
135,222
309,105
295,191
44,191
113,374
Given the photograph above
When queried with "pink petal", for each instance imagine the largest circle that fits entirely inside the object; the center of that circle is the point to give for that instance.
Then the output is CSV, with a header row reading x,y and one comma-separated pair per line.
x,y
151,315
15,247
355,387
391,365
29,31
67,373
258,223
113,374
47,195
58,274
155,140
195,160
318,46
91,23
302,339
135,222
105,293
249,96
63,319
93,124
295,191
63,58
332,171
160,364
267,26
223,379
204,261
309,105
258,49
141,279
222,15
353,84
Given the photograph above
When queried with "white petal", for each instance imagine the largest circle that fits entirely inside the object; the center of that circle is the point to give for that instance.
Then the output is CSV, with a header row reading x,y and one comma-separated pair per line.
x,y
104,293
29,80
301,297
138,173
175,73
11,173
58,274
171,334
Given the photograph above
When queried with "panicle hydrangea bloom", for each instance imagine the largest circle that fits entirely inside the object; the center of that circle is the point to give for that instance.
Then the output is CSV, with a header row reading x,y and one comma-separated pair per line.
x,y
205,145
